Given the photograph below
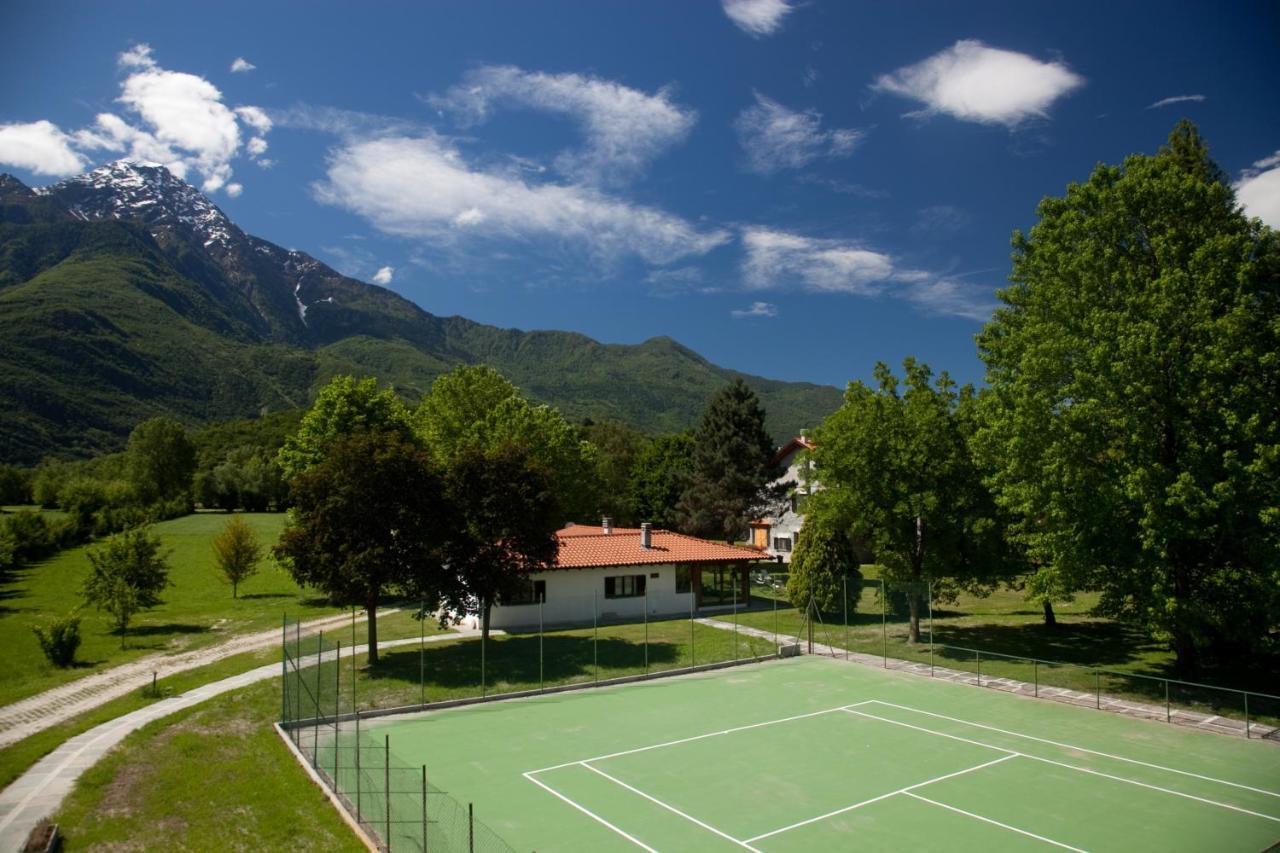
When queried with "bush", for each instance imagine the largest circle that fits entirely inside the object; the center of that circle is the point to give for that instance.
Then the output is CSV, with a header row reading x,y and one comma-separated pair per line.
x,y
15,485
31,536
59,639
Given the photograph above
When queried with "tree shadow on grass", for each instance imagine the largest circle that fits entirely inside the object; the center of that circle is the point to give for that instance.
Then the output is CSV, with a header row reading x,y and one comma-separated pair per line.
x,y
1093,643
261,595
514,660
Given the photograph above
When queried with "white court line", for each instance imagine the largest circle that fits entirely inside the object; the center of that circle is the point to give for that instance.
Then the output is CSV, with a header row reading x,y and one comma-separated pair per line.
x,y
906,790
670,808
993,822
590,814
1064,764
1071,746
698,737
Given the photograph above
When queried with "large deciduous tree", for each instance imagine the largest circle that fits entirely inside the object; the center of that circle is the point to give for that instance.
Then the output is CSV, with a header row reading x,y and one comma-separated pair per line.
x,y
344,406
730,473
508,514
160,460
658,479
368,518
1133,420
897,474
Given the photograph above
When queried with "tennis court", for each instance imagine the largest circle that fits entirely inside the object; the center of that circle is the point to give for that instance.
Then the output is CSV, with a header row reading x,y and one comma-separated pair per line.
x,y
815,753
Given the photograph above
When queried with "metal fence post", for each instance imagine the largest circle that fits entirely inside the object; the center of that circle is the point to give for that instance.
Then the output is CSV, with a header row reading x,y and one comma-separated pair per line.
x,y
471,827
424,808
337,708
978,655
595,633
358,767
1097,688
693,644
315,723
422,652
284,667
884,625
844,588
930,590
646,627
775,623
1246,715
1035,670
735,617
353,659
541,675
484,685
386,777
1168,713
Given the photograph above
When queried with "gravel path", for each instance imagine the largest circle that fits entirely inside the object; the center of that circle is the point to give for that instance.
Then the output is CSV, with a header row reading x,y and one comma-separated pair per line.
x,y
37,713
39,792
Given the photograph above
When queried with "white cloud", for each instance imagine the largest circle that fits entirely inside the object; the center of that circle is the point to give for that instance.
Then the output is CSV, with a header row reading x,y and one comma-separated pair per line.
x,y
255,117
625,128
383,275
420,187
756,17
756,309
1176,99
256,146
973,82
778,260
234,190
1258,190
138,56
39,146
775,137
242,66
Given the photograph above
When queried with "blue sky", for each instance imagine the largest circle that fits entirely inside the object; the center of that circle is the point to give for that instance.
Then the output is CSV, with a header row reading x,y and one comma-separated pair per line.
x,y
795,190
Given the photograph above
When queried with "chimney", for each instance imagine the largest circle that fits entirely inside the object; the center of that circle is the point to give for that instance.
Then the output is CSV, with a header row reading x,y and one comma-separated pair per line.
x,y
646,535
607,524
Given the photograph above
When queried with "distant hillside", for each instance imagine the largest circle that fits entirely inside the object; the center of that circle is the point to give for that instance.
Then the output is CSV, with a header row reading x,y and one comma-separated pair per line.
x,y
125,293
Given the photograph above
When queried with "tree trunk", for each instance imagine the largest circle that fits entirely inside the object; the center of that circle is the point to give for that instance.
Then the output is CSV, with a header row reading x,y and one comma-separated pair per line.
x,y
1186,656
371,613
913,606
1050,618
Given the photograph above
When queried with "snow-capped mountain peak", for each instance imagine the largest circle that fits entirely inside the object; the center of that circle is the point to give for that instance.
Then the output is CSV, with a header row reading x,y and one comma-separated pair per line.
x,y
135,189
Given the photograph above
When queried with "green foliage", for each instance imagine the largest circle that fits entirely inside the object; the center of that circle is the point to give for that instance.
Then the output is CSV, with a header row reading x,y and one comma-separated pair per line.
x,y
617,448
15,485
248,478
508,514
897,474
368,518
730,468
342,408
473,410
658,478
824,569
1131,426
26,536
160,460
59,639
237,552
129,571
216,440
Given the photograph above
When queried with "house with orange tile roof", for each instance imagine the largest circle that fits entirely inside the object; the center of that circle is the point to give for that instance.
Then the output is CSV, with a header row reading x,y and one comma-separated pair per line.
x,y
620,573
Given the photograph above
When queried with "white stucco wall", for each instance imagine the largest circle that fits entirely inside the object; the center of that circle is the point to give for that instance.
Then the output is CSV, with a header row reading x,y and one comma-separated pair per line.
x,y
787,523
571,594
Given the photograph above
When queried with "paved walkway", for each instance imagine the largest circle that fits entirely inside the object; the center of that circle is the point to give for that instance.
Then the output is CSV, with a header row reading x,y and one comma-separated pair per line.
x,y
38,792
1144,710
37,713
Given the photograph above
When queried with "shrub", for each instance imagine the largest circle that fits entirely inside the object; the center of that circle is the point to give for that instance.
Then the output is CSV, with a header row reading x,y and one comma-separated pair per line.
x,y
59,639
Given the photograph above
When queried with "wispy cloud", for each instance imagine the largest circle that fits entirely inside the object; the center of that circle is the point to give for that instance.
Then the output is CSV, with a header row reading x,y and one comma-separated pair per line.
x,y
756,18
940,219
756,309
41,147
342,123
624,128
384,275
1258,190
179,121
242,66
422,188
774,137
973,82
1176,99
778,260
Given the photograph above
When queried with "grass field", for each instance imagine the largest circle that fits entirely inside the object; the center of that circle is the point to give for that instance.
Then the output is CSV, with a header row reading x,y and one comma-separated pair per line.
x,y
819,754
198,608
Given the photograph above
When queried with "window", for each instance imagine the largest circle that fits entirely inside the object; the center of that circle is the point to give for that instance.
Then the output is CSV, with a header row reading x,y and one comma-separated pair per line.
x,y
531,592
624,586
684,580
782,543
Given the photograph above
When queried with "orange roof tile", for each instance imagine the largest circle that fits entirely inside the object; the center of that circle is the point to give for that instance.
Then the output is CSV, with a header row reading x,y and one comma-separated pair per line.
x,y
584,547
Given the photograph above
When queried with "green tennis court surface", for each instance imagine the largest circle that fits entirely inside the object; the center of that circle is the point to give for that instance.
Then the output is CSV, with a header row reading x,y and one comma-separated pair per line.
x,y
816,754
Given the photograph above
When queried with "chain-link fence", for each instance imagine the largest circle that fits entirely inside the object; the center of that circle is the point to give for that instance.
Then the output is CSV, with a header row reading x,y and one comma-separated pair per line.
x,y
895,623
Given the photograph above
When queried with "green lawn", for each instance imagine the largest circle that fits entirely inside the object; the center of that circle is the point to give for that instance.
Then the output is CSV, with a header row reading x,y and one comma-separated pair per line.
x,y
198,608
214,777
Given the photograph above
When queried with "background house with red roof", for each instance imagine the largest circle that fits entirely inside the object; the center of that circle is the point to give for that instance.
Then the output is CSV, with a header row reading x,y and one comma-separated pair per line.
x,y
775,535
620,572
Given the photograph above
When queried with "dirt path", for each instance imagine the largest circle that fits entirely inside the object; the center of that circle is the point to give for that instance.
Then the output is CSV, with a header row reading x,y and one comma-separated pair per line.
x,y
37,713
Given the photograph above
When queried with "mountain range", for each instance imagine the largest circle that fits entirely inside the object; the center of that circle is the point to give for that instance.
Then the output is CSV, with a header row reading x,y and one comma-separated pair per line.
x,y
125,293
